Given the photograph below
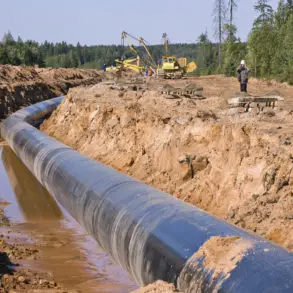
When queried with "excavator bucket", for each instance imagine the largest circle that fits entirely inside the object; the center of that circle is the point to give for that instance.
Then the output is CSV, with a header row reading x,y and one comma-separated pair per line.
x,y
191,67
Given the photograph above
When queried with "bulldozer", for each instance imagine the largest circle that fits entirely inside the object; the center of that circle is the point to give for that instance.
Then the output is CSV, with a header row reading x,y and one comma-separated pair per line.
x,y
172,67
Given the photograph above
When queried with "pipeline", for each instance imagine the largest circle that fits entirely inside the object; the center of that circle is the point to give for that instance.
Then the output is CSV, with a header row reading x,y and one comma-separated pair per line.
x,y
151,234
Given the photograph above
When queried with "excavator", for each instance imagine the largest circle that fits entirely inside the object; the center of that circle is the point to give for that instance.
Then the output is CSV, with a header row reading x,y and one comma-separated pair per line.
x,y
139,63
170,67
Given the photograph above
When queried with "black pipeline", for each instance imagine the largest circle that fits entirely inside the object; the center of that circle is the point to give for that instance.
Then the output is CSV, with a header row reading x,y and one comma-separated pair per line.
x,y
149,233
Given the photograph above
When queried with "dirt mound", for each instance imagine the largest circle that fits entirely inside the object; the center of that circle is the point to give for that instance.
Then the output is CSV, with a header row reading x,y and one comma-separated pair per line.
x,y
12,74
22,86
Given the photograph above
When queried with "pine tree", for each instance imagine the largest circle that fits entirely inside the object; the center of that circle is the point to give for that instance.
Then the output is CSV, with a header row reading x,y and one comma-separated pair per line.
x,y
233,4
219,20
205,55
263,40
4,57
19,39
8,38
265,11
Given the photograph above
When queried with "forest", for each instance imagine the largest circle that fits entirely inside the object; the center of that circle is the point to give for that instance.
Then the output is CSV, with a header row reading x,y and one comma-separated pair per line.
x,y
268,50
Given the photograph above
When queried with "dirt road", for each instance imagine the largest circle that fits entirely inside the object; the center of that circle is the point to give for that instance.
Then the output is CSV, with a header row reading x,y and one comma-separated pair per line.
x,y
237,166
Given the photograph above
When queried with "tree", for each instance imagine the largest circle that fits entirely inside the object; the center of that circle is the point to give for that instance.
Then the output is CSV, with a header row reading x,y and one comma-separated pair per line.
x,y
79,53
205,55
19,39
219,20
233,4
234,50
73,59
283,59
8,39
263,40
4,58
265,12
28,56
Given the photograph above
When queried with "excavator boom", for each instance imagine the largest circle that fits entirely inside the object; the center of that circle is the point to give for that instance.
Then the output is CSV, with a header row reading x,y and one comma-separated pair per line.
x,y
147,60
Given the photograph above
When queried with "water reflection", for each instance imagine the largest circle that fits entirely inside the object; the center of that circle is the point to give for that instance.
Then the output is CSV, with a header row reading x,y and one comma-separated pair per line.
x,y
34,200
67,251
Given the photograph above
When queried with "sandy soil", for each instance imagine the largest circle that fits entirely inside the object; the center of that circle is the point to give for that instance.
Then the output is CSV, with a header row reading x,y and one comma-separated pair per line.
x,y
22,86
237,166
221,255
158,287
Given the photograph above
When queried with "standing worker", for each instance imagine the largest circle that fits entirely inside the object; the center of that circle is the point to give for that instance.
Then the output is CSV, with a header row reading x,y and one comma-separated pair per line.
x,y
243,72
105,67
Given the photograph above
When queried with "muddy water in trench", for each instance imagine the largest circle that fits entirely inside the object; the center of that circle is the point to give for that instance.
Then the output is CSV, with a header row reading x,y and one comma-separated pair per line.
x,y
66,250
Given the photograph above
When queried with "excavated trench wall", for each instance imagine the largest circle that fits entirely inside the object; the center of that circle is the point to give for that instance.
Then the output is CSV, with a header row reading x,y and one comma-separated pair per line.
x,y
24,86
238,167
151,234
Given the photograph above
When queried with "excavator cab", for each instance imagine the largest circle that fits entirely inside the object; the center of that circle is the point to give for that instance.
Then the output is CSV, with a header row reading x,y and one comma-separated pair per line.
x,y
170,63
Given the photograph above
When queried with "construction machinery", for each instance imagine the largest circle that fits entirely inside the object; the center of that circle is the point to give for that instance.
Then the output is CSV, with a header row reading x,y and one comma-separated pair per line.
x,y
169,68
140,62
132,64
146,59
172,67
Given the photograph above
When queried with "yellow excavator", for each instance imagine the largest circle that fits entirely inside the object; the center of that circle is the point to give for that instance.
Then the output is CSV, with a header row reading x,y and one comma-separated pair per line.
x,y
133,64
139,63
172,67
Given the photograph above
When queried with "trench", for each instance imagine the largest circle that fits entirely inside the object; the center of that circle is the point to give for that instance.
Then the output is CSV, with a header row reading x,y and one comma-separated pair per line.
x,y
149,233
66,249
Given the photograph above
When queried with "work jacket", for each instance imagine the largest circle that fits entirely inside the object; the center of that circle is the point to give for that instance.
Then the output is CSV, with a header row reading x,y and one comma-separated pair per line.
x,y
243,72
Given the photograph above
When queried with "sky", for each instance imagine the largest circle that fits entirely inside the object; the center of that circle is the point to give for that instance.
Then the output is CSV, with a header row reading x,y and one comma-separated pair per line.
x,y
94,22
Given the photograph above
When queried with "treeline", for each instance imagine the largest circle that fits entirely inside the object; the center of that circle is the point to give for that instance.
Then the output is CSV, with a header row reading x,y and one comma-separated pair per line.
x,y
270,44
30,53
268,51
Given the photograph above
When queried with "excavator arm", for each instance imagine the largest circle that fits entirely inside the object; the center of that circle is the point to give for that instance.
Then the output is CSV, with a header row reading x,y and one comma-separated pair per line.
x,y
152,61
147,61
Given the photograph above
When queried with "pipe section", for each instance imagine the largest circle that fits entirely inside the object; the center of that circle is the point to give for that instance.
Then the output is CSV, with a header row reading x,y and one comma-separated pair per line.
x,y
149,233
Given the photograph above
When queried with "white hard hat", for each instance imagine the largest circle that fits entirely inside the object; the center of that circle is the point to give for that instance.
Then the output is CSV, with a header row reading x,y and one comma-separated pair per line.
x,y
242,62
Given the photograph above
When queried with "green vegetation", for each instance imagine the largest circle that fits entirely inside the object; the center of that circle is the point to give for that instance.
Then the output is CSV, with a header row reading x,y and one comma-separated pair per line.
x,y
268,51
270,44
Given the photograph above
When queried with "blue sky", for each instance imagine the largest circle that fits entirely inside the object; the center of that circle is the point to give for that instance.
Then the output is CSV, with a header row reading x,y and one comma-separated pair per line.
x,y
101,22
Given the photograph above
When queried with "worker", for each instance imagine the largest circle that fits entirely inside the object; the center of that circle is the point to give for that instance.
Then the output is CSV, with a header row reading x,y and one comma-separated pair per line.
x,y
146,72
243,72
105,67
